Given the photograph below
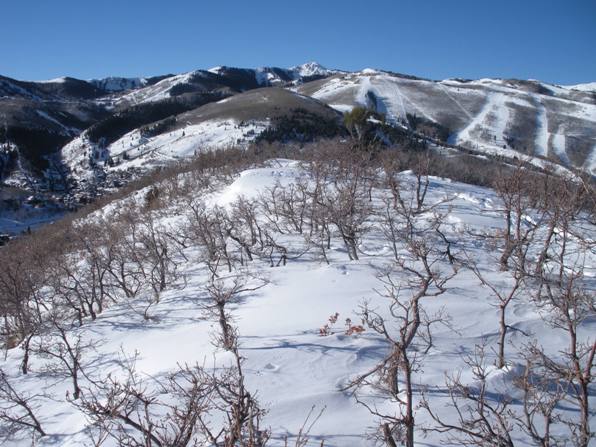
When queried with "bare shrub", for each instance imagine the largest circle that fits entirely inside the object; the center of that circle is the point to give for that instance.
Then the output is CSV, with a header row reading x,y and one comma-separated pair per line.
x,y
18,411
222,293
513,190
207,228
65,351
407,330
478,417
504,297
566,306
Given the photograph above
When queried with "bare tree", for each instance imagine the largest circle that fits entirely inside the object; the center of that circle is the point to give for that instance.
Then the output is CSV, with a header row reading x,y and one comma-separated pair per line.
x,y
157,253
270,201
513,190
319,233
22,303
15,293
243,226
242,411
18,410
207,229
478,417
79,279
124,261
504,296
560,200
391,227
223,293
567,305
348,209
407,329
65,350
193,406
303,436
421,171
408,199
92,277
133,415
543,393
294,205
272,246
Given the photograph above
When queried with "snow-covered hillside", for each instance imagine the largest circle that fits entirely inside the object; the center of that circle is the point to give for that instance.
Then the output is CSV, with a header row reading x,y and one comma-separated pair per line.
x,y
136,150
117,84
587,87
297,334
162,89
216,78
495,116
235,121
486,115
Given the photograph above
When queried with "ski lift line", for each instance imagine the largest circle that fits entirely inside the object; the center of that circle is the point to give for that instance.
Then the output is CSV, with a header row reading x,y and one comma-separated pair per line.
x,y
455,101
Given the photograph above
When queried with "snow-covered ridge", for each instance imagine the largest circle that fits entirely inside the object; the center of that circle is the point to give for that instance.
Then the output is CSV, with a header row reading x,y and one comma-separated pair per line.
x,y
486,115
59,80
587,87
158,91
118,84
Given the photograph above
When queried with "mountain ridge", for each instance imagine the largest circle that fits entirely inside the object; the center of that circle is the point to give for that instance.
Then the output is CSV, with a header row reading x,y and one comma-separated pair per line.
x,y
67,137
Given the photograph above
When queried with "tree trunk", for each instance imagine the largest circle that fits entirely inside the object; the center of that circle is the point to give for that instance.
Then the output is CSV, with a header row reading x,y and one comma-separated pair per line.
x,y
25,362
544,252
409,419
502,334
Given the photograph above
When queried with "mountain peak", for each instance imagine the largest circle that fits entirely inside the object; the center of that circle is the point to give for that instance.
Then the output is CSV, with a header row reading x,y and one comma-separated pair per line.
x,y
311,69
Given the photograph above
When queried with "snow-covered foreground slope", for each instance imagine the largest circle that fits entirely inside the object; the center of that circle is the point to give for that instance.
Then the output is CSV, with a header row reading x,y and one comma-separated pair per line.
x,y
489,115
290,365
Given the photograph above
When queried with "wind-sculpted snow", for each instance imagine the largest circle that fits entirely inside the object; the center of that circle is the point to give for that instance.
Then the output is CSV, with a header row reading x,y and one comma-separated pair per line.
x,y
289,363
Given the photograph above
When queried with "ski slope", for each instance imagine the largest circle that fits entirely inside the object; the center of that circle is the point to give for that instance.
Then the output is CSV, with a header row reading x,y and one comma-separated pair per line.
x,y
487,115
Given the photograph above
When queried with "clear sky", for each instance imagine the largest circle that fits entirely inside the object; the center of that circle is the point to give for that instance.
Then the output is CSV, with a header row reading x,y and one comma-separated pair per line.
x,y
551,40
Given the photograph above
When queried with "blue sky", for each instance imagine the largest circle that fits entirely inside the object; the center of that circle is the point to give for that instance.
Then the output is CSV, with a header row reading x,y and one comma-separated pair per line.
x,y
554,41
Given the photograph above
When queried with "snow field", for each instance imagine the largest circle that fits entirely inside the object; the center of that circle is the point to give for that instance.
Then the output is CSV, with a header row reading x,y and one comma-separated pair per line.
x,y
288,363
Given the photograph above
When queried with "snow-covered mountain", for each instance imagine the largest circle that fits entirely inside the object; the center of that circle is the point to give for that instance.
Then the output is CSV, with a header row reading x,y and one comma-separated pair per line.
x,y
58,89
227,79
65,126
233,121
312,69
344,293
493,115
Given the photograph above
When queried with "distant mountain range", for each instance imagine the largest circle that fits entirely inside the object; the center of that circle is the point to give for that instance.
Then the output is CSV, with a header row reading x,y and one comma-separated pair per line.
x,y
67,134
